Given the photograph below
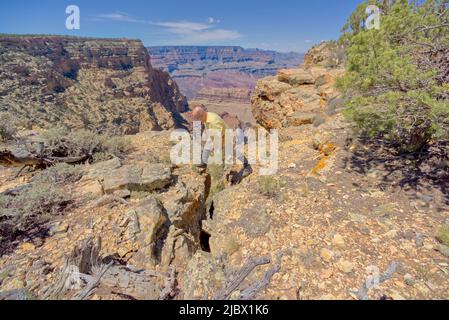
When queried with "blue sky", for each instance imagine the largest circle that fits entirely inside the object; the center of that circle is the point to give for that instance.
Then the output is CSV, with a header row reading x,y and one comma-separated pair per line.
x,y
283,25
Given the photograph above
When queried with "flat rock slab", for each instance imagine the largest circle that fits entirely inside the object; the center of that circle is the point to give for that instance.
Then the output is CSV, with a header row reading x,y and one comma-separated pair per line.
x,y
302,118
142,177
295,76
101,169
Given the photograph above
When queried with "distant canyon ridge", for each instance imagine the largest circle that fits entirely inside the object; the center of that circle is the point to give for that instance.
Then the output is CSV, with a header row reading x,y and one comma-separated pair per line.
x,y
120,87
221,77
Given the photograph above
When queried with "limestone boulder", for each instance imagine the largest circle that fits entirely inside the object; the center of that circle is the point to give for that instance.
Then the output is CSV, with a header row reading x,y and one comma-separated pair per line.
x,y
294,97
145,228
295,76
138,177
100,169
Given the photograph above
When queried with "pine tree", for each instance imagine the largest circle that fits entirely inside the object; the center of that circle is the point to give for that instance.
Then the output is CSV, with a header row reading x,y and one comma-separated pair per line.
x,y
397,76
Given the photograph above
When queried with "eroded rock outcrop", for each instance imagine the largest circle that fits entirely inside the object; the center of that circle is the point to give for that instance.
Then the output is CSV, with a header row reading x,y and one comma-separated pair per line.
x,y
299,96
164,227
196,67
101,84
328,54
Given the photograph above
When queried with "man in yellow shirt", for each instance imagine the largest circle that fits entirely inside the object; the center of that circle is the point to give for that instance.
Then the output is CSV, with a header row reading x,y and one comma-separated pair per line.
x,y
211,121
214,121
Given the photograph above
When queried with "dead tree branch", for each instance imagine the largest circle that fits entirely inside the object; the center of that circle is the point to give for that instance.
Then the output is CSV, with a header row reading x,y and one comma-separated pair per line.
x,y
8,159
362,293
251,291
170,290
89,272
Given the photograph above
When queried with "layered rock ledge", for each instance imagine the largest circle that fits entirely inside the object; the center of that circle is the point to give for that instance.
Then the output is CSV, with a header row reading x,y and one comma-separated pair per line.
x,y
295,97
101,84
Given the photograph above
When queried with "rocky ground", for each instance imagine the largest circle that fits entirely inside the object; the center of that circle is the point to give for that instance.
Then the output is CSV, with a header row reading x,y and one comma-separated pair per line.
x,y
333,223
339,211
330,220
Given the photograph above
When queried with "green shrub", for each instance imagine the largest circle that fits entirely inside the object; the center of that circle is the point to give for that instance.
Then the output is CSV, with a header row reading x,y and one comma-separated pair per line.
x,y
117,145
60,173
60,142
30,207
55,141
396,83
86,142
443,235
269,186
8,127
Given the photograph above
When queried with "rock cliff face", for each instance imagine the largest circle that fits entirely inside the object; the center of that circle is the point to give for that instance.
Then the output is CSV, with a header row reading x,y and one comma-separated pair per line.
x,y
101,84
235,101
220,67
181,61
299,96
326,54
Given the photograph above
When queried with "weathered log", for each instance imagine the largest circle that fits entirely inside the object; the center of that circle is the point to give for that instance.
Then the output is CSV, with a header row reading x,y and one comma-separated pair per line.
x,y
255,288
170,290
8,159
250,292
362,293
86,269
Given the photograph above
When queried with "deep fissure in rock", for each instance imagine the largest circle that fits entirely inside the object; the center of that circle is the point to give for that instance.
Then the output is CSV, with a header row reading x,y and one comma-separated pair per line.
x,y
211,211
204,241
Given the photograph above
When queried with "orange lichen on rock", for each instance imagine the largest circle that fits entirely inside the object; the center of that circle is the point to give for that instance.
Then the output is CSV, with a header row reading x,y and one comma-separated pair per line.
x,y
320,165
323,100
325,150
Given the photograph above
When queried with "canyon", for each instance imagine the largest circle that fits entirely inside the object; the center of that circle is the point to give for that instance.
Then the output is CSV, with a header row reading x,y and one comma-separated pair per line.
x,y
221,78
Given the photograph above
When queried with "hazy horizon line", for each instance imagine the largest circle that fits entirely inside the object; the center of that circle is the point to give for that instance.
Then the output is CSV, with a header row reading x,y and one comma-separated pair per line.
x,y
2,34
